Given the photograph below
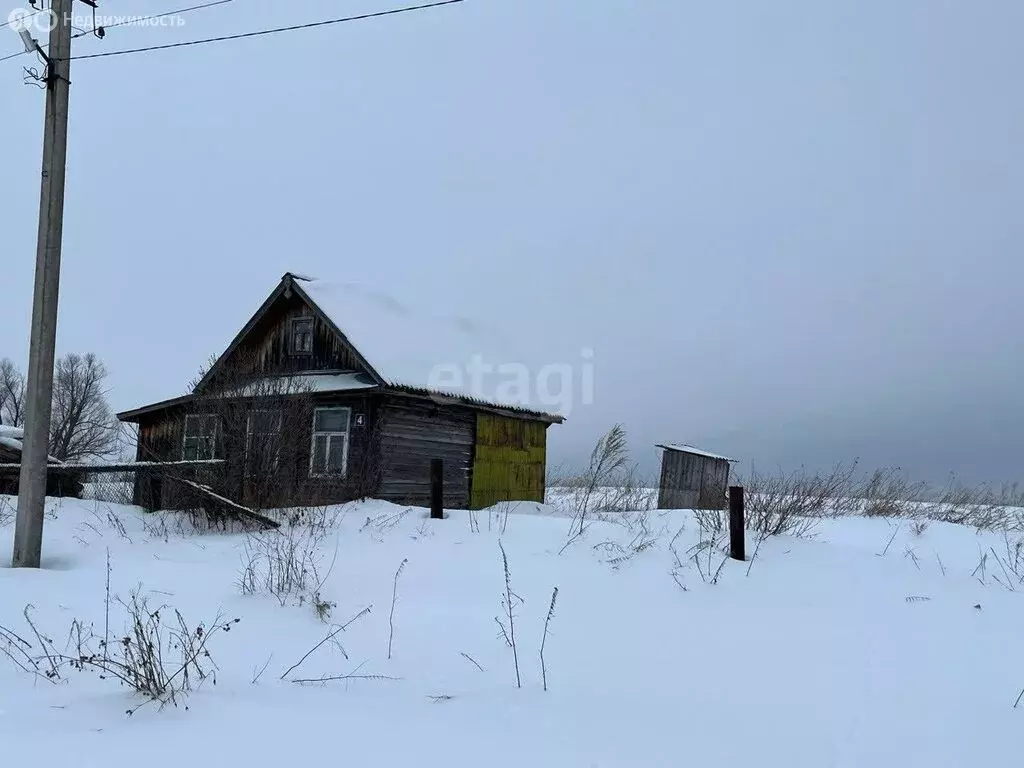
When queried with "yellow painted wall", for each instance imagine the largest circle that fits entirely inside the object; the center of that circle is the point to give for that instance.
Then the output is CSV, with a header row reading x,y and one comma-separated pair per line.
x,y
509,460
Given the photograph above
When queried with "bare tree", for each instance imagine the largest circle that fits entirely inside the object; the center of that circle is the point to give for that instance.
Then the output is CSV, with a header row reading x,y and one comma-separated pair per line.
x,y
12,394
82,425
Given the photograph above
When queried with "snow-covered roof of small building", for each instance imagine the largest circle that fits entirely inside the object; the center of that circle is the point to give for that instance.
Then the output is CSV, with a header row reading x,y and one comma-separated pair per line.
x,y
11,439
683,448
14,433
414,348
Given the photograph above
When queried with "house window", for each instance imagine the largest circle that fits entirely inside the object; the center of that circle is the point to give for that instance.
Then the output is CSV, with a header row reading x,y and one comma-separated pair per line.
x,y
302,336
263,441
200,441
329,453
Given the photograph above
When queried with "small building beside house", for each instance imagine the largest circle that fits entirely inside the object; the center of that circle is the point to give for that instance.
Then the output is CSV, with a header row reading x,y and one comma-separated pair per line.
x,y
57,484
331,393
692,478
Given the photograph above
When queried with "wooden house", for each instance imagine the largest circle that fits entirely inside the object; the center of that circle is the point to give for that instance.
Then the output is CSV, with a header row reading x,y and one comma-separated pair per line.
x,y
692,478
332,392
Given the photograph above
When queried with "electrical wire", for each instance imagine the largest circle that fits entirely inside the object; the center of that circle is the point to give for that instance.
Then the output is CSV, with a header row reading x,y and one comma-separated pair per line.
x,y
263,32
9,22
137,20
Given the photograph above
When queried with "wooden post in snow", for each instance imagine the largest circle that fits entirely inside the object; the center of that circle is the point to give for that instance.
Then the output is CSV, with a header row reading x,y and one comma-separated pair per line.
x,y
437,489
737,545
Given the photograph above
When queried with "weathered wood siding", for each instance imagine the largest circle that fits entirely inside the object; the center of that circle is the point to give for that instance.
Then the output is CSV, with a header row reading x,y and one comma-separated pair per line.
x,y
413,433
509,460
267,347
690,481
160,439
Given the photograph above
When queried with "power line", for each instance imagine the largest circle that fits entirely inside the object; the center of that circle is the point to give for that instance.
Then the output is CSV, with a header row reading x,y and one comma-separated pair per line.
x,y
19,19
138,20
127,20
262,32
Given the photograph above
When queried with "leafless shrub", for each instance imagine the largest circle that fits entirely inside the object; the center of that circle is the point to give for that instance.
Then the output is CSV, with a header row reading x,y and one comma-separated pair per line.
x,y
918,527
792,504
328,638
677,562
507,623
895,531
609,457
703,556
644,538
888,493
980,570
471,660
353,675
544,638
283,563
910,553
757,549
322,608
384,522
710,520
627,491
163,661
1011,564
394,599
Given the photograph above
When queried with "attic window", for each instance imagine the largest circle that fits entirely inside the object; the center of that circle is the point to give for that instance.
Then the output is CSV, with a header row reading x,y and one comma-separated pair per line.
x,y
302,336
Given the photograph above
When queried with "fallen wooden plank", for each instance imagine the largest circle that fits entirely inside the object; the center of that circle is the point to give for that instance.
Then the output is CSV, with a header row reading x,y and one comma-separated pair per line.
x,y
234,506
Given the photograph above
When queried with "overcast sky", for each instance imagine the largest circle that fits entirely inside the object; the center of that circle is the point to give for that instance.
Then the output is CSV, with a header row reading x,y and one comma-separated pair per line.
x,y
789,231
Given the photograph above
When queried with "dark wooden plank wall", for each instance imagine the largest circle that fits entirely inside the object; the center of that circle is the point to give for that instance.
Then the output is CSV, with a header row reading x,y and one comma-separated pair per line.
x,y
268,346
160,439
689,481
413,433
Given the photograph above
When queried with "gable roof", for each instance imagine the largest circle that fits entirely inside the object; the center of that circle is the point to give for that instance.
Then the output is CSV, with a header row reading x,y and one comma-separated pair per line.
x,y
402,349
408,349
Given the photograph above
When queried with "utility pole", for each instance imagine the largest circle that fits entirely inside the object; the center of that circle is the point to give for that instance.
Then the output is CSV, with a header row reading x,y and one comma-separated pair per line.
x,y
28,532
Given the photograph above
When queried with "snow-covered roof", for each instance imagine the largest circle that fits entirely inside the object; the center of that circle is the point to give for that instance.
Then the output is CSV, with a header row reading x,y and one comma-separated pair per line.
x,y
683,448
415,348
9,441
15,433
304,383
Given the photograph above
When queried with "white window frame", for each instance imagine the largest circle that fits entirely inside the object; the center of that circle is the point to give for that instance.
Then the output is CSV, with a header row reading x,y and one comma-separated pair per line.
x,y
185,437
292,346
345,436
248,437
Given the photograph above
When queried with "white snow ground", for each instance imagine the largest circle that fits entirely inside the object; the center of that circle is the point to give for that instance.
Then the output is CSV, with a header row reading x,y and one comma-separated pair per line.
x,y
816,658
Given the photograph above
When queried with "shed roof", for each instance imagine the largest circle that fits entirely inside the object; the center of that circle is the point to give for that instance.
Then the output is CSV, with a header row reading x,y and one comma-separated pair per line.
x,y
683,448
